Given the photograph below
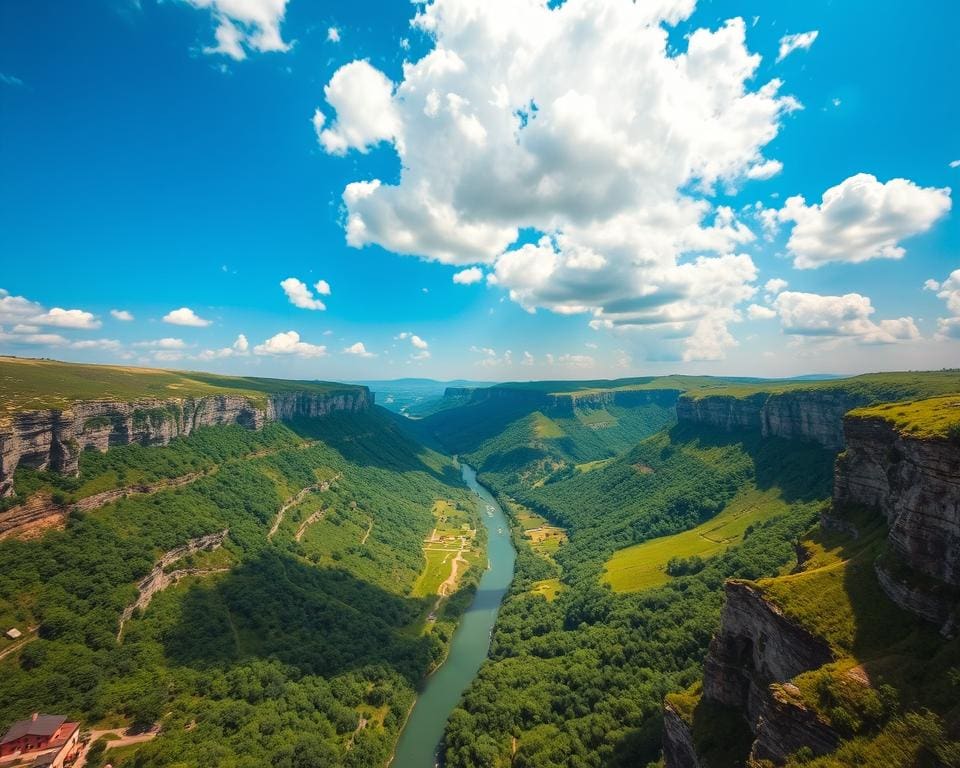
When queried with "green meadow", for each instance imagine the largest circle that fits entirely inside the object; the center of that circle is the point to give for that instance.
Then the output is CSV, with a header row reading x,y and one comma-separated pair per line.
x,y
644,565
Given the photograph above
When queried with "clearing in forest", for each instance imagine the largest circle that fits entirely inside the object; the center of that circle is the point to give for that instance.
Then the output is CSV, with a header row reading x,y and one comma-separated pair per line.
x,y
644,565
447,550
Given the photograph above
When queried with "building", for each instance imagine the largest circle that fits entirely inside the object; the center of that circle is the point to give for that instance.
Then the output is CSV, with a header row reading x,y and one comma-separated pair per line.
x,y
13,633
50,737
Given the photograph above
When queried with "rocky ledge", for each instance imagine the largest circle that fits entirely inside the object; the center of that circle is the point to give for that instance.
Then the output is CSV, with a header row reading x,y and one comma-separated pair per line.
x,y
757,645
678,749
54,439
914,483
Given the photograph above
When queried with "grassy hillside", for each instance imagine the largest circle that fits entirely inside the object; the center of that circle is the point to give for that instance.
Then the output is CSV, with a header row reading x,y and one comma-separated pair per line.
x,y
282,645
931,417
578,671
28,384
876,387
654,562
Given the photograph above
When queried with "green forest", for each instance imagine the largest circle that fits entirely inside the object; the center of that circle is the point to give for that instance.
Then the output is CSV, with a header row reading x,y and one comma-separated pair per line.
x,y
294,650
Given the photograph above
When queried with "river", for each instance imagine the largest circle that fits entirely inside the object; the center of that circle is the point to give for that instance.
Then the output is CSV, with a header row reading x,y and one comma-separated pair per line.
x,y
423,731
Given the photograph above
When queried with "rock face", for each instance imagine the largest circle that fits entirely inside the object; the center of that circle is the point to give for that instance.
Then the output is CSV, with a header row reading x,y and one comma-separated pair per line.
x,y
785,725
915,483
54,439
678,749
756,646
814,415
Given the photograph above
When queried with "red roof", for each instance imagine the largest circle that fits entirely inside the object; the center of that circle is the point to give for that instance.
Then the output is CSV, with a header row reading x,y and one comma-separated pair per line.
x,y
39,725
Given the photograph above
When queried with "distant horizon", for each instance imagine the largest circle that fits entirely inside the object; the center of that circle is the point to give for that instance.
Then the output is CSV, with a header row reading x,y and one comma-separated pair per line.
x,y
372,380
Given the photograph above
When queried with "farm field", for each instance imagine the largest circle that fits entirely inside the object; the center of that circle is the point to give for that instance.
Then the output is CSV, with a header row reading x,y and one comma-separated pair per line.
x,y
449,551
644,565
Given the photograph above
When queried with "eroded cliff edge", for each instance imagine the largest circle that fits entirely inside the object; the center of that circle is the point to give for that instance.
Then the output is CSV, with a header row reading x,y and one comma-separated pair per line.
x,y
898,484
54,438
814,415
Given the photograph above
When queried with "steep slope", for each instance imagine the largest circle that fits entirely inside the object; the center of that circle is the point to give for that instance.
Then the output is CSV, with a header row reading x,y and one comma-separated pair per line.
x,y
251,649
53,411
852,659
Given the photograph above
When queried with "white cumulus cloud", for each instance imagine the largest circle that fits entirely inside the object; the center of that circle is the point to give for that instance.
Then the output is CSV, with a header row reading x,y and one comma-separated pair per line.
x,y
839,317
121,314
244,25
288,343
799,41
165,343
300,295
185,316
861,219
333,35
468,276
358,349
362,97
240,347
581,122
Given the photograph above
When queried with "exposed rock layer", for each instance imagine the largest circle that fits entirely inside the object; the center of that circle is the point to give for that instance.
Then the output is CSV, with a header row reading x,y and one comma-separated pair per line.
x,y
54,439
785,725
814,415
756,646
915,483
678,749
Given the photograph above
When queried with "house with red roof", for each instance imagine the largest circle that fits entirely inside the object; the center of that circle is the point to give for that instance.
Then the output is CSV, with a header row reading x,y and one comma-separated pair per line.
x,y
50,737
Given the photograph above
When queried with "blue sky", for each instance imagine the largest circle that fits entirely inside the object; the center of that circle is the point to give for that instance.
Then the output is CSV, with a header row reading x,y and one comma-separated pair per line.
x,y
610,182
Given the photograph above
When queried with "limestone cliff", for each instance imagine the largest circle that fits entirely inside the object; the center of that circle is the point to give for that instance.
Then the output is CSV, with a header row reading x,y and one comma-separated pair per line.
x,y
811,414
915,483
678,748
756,646
54,439
757,650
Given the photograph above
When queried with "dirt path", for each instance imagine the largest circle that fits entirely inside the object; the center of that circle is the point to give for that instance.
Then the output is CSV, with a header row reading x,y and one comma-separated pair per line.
x,y
447,586
314,518
123,740
38,513
28,638
298,497
367,534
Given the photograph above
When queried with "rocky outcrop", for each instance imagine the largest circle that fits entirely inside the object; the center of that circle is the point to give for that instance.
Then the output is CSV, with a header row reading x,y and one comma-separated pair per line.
x,y
815,415
914,483
723,411
678,749
934,602
757,645
40,510
54,439
786,725
159,579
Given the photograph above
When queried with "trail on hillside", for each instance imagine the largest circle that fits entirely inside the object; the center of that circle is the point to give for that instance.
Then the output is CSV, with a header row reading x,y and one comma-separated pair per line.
x,y
297,498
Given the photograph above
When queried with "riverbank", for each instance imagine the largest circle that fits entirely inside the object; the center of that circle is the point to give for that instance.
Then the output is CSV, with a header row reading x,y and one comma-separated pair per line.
x,y
423,731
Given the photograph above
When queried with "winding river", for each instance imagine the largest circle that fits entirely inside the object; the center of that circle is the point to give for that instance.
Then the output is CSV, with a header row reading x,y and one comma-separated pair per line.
x,y
423,731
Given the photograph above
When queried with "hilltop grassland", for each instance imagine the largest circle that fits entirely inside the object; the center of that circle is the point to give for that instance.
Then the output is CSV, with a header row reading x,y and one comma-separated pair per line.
x,y
304,646
936,417
34,384
871,387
